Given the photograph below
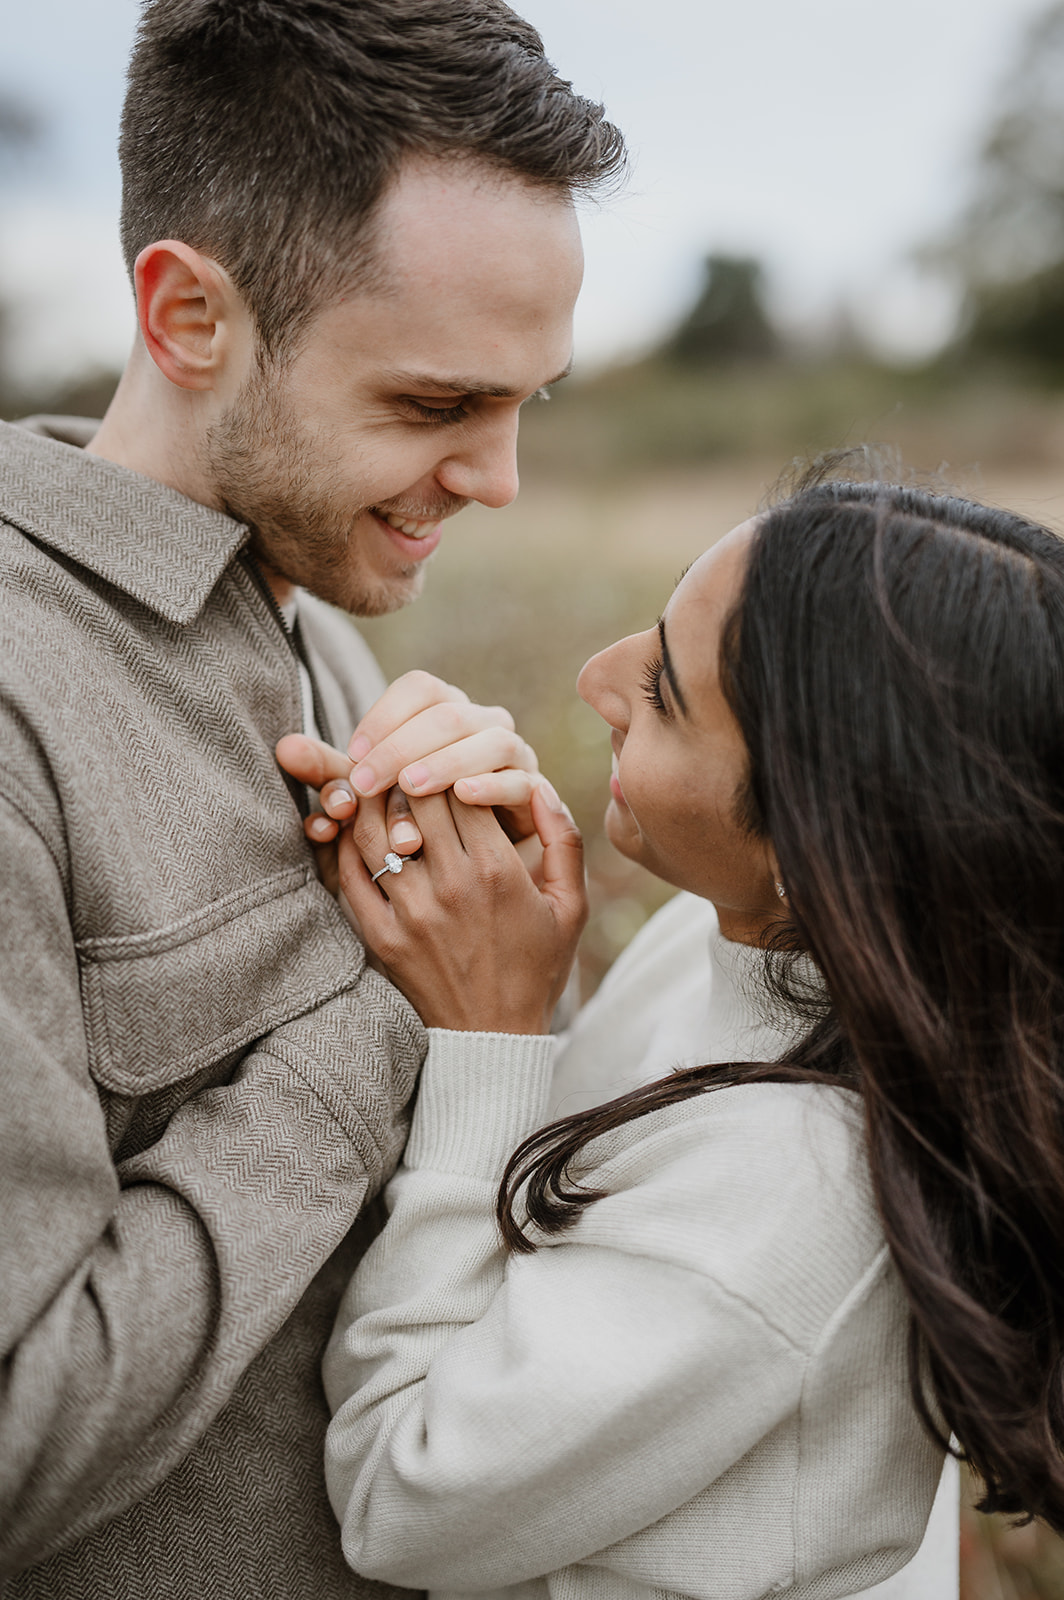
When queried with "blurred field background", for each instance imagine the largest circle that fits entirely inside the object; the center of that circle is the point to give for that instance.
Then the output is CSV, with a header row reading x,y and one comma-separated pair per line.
x,y
660,444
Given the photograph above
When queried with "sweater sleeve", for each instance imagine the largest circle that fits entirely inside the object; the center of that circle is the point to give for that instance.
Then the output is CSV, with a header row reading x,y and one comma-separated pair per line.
x,y
136,1292
498,1418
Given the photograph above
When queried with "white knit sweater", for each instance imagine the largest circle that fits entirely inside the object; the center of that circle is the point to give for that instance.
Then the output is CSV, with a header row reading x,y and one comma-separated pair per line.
x,y
699,1390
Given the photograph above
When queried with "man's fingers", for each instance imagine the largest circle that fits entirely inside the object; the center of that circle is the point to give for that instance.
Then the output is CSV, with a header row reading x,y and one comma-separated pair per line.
x,y
510,789
433,749
405,698
311,761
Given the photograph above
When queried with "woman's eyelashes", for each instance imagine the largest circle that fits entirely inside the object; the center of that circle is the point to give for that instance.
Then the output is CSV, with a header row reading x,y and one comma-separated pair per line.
x,y
652,675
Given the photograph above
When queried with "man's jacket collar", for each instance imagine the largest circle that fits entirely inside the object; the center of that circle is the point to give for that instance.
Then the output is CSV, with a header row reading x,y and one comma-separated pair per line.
x,y
155,544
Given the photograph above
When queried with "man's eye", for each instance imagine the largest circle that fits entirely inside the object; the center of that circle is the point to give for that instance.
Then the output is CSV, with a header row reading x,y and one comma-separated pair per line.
x,y
436,413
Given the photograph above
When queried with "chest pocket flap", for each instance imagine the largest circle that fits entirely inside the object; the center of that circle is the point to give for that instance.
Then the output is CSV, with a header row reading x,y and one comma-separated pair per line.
x,y
162,1006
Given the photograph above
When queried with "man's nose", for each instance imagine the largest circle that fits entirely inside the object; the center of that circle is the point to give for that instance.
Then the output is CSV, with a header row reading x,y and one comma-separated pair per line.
x,y
486,468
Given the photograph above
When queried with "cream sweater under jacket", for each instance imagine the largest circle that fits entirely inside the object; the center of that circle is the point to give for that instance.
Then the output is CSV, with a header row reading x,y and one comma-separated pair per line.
x,y
699,1390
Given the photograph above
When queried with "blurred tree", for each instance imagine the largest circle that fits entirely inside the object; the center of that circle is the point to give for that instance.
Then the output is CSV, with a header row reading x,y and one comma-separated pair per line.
x,y
1008,248
20,126
728,322
20,131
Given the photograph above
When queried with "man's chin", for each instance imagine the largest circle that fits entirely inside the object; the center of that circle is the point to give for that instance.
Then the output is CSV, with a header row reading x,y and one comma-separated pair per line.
x,y
363,597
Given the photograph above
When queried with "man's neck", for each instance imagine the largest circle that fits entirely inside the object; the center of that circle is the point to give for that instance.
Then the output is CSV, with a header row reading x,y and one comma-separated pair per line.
x,y
283,591
155,429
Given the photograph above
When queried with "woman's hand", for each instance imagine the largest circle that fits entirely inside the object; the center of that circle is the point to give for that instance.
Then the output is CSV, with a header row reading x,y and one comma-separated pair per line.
x,y
467,935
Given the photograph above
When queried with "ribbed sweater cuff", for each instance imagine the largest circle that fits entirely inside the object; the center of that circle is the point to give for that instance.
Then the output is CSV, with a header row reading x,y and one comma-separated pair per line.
x,y
480,1094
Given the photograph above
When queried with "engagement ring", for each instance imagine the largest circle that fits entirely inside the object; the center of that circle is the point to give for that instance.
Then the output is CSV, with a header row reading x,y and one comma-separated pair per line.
x,y
392,863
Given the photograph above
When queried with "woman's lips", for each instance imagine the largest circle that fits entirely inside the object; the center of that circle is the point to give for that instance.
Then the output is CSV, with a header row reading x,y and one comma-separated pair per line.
x,y
615,785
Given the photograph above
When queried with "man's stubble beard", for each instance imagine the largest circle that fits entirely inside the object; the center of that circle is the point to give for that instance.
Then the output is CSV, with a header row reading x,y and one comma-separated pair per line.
x,y
269,474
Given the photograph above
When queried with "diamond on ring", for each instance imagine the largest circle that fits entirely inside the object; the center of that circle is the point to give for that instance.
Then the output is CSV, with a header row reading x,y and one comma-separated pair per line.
x,y
392,863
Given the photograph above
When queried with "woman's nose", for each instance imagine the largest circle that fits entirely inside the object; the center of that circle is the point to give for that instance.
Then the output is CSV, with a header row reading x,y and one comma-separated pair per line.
x,y
603,683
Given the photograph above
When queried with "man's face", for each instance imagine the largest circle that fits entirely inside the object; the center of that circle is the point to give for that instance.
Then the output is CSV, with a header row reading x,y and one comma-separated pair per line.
x,y
401,404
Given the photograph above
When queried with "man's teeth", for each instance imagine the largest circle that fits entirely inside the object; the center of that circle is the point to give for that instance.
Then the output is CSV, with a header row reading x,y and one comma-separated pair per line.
x,y
416,530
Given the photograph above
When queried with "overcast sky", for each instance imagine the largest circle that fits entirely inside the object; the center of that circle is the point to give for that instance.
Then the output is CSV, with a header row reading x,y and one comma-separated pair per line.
x,y
829,137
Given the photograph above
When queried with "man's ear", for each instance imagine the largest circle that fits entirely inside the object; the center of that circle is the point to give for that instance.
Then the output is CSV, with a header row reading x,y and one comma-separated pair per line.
x,y
188,312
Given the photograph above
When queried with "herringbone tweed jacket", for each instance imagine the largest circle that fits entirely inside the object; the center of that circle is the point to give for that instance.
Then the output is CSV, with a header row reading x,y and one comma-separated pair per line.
x,y
201,1084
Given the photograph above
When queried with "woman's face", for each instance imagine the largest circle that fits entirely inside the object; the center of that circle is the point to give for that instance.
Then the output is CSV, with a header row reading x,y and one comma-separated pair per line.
x,y
679,762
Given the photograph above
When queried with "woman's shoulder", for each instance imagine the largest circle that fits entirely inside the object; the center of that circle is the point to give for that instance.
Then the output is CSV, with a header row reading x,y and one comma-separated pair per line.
x,y
762,1187
678,931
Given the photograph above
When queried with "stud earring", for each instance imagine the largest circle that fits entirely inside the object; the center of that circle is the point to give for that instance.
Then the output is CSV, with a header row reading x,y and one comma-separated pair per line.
x,y
780,890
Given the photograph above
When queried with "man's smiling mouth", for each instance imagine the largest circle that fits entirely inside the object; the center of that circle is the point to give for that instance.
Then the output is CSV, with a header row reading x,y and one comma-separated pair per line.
x,y
414,529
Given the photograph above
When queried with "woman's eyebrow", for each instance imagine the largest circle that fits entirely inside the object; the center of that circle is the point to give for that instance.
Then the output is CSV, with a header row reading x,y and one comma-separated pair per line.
x,y
669,670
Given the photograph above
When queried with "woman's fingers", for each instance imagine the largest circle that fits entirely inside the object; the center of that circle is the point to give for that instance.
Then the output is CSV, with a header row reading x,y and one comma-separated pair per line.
x,y
404,835
466,933
561,871
339,805
368,841
328,868
319,828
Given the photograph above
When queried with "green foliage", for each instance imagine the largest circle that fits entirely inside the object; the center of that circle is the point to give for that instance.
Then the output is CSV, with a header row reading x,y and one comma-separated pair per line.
x,y
1008,248
728,321
1020,323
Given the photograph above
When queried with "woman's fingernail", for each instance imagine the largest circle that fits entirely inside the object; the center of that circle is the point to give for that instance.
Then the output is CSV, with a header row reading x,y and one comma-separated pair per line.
x,y
404,833
471,787
553,799
320,827
342,794
415,777
359,747
364,779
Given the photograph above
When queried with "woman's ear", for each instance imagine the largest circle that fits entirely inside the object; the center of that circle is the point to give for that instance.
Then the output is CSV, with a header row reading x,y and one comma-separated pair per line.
x,y
189,312
777,877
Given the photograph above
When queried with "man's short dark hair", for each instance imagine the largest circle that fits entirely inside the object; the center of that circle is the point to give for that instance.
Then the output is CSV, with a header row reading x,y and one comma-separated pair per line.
x,y
264,132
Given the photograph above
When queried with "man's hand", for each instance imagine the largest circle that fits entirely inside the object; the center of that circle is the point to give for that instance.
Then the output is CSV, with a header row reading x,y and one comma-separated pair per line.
x,y
422,737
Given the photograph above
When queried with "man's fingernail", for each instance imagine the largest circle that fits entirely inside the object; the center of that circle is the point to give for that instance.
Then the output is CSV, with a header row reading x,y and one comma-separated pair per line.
x,y
359,747
363,779
471,786
339,795
551,796
320,826
404,833
415,777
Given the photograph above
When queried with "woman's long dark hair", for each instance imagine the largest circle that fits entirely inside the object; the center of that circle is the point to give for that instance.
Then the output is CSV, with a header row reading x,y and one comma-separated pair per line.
x,y
896,666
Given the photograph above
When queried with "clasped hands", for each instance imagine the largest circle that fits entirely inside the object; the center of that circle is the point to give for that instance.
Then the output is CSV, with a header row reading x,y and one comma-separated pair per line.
x,y
480,932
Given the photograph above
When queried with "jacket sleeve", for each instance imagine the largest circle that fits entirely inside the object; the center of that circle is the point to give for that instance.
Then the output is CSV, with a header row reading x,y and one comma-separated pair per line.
x,y
136,1292
497,1419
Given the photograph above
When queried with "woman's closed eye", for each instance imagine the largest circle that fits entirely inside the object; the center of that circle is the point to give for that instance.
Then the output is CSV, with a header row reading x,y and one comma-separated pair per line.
x,y
652,675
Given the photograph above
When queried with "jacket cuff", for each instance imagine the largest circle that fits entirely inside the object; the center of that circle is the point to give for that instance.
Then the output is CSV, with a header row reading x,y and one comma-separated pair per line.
x,y
480,1094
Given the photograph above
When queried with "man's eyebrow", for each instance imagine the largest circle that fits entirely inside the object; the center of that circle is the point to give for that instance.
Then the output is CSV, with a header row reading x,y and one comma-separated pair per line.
x,y
416,382
668,670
